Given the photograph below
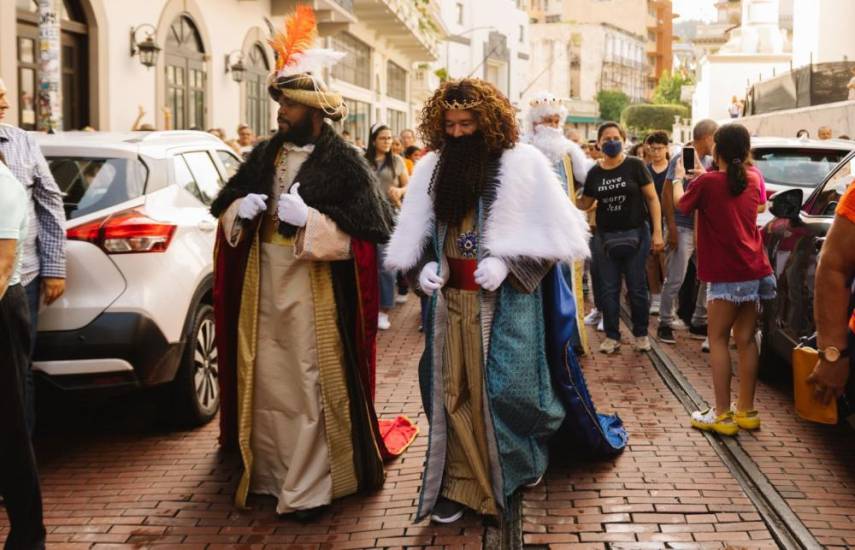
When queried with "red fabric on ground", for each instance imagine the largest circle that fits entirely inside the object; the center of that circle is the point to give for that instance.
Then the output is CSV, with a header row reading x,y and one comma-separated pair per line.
x,y
397,434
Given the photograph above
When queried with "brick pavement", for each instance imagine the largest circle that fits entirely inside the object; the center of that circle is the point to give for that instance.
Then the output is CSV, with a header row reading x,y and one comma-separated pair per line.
x,y
811,465
667,490
113,477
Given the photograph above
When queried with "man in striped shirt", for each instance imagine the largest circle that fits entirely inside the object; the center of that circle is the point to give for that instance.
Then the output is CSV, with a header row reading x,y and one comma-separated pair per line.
x,y
43,265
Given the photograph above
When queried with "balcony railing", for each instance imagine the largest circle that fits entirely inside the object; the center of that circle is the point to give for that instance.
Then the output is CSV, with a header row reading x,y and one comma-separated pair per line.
x,y
415,25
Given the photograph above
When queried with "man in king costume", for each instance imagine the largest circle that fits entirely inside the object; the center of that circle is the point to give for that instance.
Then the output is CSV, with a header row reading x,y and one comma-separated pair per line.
x,y
543,129
296,298
484,220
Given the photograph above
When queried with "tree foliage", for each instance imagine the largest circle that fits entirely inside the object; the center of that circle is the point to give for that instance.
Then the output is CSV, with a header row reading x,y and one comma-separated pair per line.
x,y
668,89
647,117
612,103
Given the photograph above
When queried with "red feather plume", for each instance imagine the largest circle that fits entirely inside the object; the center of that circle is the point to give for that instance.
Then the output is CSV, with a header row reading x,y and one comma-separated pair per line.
x,y
300,33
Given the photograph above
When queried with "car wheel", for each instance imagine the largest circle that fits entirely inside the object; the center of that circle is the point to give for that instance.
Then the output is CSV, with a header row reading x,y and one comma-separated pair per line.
x,y
196,385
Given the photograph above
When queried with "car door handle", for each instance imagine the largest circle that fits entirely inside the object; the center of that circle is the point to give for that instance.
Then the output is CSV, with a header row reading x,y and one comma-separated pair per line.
x,y
817,243
206,226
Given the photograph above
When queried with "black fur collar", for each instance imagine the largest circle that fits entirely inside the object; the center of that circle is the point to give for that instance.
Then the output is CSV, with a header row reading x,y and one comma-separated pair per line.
x,y
335,180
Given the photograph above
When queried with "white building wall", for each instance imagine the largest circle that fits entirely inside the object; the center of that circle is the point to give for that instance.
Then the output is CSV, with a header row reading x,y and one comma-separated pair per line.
x,y
720,77
822,29
124,84
480,18
224,26
549,66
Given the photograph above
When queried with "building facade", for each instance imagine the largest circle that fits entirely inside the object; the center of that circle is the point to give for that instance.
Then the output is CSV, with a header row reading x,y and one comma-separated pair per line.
x,y
104,85
487,39
647,21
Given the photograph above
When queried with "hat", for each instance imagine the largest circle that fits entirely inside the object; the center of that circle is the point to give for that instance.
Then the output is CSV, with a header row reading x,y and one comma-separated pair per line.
x,y
543,104
298,66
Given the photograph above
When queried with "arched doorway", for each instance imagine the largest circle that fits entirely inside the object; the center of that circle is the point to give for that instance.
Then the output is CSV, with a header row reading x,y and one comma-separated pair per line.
x,y
185,75
257,99
74,56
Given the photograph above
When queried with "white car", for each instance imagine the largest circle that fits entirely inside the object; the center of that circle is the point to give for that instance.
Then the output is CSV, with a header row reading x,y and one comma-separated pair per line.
x,y
137,311
790,163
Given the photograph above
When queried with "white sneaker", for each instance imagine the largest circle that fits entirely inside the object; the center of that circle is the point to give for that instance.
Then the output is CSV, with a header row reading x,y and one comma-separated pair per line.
x,y
609,346
593,317
678,324
705,347
401,299
600,326
642,343
654,304
383,322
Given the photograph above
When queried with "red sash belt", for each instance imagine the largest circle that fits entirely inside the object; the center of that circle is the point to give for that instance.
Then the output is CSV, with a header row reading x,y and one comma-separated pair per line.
x,y
462,274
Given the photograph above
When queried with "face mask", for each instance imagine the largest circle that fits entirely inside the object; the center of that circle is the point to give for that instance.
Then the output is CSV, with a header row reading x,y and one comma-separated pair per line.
x,y
612,148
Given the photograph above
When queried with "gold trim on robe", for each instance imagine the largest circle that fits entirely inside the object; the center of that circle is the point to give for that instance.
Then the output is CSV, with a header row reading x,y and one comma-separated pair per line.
x,y
578,266
336,404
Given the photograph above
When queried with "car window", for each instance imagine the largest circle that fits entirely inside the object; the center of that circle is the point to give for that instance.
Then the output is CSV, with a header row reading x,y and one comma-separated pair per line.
x,y
205,174
230,162
92,184
827,199
185,179
796,167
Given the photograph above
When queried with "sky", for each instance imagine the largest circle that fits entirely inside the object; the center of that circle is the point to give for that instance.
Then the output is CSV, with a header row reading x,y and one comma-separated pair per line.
x,y
695,9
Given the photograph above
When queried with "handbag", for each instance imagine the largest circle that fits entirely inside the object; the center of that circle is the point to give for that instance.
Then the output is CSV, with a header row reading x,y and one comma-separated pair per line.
x,y
808,407
620,245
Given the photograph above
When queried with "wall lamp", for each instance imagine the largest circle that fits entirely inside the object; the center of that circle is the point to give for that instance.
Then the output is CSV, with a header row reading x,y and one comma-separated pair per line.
x,y
237,68
147,48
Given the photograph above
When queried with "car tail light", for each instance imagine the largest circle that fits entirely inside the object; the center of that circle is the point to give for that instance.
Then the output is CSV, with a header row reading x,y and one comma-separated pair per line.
x,y
126,232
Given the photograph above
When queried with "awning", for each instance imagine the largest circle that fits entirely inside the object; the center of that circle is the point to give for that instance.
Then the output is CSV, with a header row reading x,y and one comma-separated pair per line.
x,y
574,119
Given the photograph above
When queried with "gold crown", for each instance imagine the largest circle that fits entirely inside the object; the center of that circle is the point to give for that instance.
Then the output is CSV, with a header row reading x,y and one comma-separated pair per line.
x,y
458,106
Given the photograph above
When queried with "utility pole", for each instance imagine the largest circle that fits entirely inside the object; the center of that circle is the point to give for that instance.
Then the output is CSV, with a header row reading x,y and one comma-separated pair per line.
x,y
50,69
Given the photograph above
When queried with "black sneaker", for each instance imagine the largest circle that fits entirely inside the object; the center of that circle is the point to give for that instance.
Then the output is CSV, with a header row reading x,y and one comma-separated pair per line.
x,y
698,332
447,511
666,335
310,514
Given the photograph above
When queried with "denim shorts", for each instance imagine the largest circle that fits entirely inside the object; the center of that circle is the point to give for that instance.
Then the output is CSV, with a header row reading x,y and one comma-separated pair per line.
x,y
743,291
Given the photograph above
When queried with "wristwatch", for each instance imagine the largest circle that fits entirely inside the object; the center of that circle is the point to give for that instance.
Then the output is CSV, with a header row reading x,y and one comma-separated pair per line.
x,y
675,181
832,354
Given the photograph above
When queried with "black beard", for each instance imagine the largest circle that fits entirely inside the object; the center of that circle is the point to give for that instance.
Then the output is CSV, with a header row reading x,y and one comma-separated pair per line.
x,y
300,132
459,177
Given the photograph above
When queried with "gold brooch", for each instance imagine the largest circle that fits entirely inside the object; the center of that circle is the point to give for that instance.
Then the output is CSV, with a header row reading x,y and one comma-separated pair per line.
x,y
458,106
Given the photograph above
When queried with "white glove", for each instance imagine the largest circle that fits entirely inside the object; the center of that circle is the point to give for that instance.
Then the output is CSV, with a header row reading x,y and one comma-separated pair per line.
x,y
251,206
491,273
429,280
292,209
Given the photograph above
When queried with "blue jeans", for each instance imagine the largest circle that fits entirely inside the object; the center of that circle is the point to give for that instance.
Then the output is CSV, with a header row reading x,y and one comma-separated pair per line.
x,y
594,282
610,274
387,280
33,297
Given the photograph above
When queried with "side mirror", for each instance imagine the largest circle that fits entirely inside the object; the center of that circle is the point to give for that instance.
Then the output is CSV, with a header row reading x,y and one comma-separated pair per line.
x,y
787,204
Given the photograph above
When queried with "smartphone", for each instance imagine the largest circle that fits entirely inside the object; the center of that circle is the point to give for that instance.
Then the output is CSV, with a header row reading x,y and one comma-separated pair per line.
x,y
689,158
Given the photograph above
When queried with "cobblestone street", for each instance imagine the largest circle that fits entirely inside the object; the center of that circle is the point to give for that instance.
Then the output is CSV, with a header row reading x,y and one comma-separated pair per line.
x,y
114,476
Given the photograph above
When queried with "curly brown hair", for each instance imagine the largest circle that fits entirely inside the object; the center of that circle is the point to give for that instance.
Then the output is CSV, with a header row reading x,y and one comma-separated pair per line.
x,y
495,114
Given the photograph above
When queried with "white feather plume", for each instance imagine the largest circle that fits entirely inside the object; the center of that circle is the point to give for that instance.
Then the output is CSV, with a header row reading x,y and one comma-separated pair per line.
x,y
312,61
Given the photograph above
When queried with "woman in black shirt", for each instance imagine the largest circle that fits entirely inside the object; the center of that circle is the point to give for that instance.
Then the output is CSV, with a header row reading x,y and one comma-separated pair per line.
x,y
621,186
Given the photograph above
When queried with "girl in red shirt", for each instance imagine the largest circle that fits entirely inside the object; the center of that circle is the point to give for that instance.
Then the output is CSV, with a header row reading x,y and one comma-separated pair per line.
x,y
732,260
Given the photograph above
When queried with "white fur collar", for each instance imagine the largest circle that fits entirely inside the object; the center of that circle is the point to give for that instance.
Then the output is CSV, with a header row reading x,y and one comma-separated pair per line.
x,y
531,216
